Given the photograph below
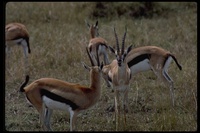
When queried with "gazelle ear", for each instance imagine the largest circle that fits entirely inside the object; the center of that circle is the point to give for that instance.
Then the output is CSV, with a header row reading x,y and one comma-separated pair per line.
x,y
111,49
129,49
86,66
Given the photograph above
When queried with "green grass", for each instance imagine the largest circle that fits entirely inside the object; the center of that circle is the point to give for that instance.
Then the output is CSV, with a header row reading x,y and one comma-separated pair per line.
x,y
58,36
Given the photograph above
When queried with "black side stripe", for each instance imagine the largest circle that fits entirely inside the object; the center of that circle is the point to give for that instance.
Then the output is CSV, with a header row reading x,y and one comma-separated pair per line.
x,y
58,98
102,44
138,59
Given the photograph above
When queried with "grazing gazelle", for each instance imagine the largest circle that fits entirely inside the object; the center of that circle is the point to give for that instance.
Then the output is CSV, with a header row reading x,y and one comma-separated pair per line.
x,y
17,34
120,76
153,58
146,58
48,94
96,41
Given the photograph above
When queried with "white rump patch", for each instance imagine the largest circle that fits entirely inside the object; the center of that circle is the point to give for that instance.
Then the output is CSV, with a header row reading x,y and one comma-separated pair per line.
x,y
165,69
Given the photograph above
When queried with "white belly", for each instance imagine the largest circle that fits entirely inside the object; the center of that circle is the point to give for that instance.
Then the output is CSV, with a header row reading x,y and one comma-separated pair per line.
x,y
141,66
52,104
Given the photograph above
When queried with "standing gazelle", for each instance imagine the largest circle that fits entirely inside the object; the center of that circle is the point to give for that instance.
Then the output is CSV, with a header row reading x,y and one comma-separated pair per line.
x,y
153,58
120,76
48,94
17,34
96,41
146,58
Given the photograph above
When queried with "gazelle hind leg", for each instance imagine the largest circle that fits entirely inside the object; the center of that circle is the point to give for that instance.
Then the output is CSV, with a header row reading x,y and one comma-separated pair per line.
x,y
94,58
168,79
73,117
102,51
7,54
171,85
106,60
47,118
25,50
8,58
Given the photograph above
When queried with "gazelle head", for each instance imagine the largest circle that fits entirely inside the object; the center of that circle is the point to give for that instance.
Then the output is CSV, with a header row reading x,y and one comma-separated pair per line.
x,y
97,68
93,29
120,53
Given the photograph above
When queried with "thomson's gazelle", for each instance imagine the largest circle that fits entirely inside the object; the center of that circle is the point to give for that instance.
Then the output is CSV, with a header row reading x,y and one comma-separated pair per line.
x,y
17,34
146,58
96,41
153,58
120,76
48,94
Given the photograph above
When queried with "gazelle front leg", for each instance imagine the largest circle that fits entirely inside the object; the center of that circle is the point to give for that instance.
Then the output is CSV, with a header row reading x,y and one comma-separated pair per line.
x,y
117,110
125,100
125,105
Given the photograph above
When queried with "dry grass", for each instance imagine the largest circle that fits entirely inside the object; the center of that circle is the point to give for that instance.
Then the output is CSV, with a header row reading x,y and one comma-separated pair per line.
x,y
58,36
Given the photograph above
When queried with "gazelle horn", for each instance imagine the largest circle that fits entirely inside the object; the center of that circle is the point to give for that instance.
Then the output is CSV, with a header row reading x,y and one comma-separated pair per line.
x,y
123,40
117,43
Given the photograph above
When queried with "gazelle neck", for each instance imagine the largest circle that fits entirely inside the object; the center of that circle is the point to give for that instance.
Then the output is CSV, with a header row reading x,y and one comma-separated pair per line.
x,y
95,85
95,80
93,33
122,68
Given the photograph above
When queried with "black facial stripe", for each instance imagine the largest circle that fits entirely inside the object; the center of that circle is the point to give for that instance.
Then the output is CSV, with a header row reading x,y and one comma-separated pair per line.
x,y
138,59
58,98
